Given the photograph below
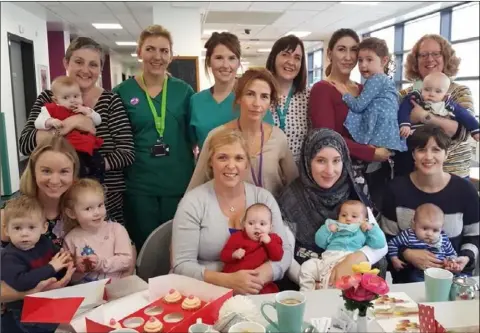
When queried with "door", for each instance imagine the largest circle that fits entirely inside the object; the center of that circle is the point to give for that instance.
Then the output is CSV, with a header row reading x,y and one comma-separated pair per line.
x,y
18,86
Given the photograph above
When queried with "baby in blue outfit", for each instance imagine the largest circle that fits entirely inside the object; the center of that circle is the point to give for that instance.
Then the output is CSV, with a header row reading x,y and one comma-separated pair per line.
x,y
339,238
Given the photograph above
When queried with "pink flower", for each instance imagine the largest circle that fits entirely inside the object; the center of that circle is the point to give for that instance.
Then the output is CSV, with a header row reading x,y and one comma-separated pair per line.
x,y
346,282
359,294
374,284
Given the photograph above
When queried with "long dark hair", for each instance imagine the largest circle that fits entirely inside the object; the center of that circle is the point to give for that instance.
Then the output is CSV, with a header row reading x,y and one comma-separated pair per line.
x,y
337,35
289,43
379,46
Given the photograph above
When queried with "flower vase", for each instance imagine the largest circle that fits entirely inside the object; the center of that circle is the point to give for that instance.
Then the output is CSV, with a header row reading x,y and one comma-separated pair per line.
x,y
362,322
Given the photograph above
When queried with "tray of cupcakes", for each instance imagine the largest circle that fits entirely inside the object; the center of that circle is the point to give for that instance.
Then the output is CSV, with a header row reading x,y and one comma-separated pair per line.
x,y
174,303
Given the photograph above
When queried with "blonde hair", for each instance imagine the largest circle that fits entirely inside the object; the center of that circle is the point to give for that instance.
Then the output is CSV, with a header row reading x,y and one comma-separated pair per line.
x,y
450,61
55,143
70,198
225,137
23,206
154,30
63,81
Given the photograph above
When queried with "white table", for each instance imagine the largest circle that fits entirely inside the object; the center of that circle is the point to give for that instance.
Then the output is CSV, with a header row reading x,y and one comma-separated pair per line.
x,y
325,303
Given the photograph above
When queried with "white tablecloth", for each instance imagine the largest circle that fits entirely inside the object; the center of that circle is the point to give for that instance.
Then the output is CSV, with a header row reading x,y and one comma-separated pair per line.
x,y
325,303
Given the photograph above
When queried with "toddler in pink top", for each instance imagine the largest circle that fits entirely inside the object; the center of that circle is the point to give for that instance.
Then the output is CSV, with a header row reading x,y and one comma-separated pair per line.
x,y
101,249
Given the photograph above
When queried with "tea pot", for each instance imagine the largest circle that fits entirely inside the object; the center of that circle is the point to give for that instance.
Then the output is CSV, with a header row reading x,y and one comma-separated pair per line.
x,y
463,288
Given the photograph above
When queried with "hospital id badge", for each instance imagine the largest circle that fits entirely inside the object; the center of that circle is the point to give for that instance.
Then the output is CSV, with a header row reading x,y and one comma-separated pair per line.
x,y
160,149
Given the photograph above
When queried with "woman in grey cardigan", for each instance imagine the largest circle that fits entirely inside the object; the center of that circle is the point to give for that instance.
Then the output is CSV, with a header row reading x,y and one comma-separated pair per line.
x,y
209,213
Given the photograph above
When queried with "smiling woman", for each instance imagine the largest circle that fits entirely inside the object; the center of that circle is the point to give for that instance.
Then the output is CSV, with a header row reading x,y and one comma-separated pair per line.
x,y
83,61
272,166
158,108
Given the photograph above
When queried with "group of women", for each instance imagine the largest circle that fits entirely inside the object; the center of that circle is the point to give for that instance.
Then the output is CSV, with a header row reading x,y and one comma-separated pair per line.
x,y
264,138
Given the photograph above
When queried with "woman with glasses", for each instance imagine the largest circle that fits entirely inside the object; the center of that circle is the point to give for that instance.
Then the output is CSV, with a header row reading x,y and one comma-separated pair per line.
x,y
433,53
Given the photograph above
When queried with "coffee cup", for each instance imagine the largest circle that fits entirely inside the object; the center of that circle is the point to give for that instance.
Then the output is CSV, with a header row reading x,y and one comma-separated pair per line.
x,y
247,326
290,307
438,282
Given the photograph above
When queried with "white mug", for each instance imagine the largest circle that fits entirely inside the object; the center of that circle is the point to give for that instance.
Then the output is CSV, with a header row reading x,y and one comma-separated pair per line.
x,y
247,326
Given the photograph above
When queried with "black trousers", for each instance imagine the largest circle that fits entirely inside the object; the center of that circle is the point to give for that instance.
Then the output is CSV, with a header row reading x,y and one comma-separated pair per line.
x,y
92,166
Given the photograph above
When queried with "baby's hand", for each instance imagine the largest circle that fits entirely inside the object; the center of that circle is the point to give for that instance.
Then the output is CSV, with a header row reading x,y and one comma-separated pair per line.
x,y
398,264
332,228
81,265
456,265
405,131
476,136
365,226
60,260
83,110
93,259
55,123
265,238
238,254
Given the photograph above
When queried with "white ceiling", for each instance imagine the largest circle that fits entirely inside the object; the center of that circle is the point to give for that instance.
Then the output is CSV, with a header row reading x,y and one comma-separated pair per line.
x,y
267,21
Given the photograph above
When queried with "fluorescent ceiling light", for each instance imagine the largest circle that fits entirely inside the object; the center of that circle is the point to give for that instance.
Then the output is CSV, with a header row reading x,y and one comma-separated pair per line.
x,y
264,50
126,43
140,60
245,63
299,34
211,31
361,3
133,54
107,26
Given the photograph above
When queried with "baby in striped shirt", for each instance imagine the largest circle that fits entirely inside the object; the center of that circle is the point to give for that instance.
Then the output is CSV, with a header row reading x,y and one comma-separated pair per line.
x,y
426,234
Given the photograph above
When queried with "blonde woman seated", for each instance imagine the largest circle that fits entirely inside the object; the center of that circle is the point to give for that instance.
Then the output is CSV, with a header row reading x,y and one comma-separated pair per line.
x,y
211,212
272,164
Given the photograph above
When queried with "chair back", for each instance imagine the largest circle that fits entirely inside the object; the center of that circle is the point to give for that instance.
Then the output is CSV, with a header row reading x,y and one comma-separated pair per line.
x,y
154,257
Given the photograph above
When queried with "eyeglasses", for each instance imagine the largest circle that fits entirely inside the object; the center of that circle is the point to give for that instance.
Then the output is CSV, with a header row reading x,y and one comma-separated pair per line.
x,y
425,55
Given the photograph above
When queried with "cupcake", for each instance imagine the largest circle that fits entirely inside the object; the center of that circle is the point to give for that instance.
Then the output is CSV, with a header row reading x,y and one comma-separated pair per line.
x,y
191,303
173,296
114,324
153,325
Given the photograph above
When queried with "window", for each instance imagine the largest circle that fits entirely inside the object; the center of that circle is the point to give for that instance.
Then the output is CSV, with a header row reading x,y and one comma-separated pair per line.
x,y
414,30
388,35
355,75
474,87
465,21
315,67
468,52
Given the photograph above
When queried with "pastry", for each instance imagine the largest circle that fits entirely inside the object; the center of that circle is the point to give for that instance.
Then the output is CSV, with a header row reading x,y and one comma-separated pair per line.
x,y
153,325
114,324
173,296
191,303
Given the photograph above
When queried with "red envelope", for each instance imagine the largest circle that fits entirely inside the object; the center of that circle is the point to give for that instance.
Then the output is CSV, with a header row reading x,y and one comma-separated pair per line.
x,y
45,310
426,318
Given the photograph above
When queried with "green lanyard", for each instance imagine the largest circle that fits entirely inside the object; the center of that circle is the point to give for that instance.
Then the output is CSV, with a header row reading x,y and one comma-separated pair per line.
x,y
282,114
159,120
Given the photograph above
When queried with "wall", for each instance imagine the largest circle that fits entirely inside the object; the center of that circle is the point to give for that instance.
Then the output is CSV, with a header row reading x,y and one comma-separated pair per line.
x,y
56,51
19,22
116,68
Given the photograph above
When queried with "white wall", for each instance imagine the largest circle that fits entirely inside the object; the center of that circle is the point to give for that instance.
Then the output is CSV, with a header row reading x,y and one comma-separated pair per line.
x,y
116,69
19,22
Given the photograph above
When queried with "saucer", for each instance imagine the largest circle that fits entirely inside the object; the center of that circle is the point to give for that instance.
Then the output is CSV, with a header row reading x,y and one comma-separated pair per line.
x,y
271,329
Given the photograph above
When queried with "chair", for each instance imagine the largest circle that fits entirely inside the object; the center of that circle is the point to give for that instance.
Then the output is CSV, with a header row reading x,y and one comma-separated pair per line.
x,y
154,257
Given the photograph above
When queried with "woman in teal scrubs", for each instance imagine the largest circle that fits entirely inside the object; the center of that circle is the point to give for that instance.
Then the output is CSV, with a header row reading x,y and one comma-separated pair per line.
x,y
158,108
213,107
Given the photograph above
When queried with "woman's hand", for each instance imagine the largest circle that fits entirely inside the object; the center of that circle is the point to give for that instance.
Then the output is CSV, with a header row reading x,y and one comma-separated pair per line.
x,y
344,267
245,282
381,154
79,122
418,113
422,259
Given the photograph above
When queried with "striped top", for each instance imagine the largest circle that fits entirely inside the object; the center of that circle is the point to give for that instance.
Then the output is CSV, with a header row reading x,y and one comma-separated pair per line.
x,y
115,130
460,152
407,239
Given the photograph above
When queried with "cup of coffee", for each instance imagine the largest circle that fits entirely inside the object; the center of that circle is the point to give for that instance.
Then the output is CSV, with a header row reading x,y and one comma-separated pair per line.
x,y
290,307
438,282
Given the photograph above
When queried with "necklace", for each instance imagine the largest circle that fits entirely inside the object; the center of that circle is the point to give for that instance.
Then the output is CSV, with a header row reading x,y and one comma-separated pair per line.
x,y
232,209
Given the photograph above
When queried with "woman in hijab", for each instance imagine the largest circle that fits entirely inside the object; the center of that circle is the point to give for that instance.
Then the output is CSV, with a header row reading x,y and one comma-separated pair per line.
x,y
325,182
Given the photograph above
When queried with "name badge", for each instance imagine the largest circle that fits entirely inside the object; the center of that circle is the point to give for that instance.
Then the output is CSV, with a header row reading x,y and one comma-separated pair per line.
x,y
160,150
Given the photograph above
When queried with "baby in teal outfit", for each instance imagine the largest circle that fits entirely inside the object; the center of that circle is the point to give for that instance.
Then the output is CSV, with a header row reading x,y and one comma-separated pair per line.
x,y
339,238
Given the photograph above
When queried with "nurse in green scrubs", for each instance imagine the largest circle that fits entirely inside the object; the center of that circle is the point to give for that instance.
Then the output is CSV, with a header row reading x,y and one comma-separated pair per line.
x,y
158,108
213,107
